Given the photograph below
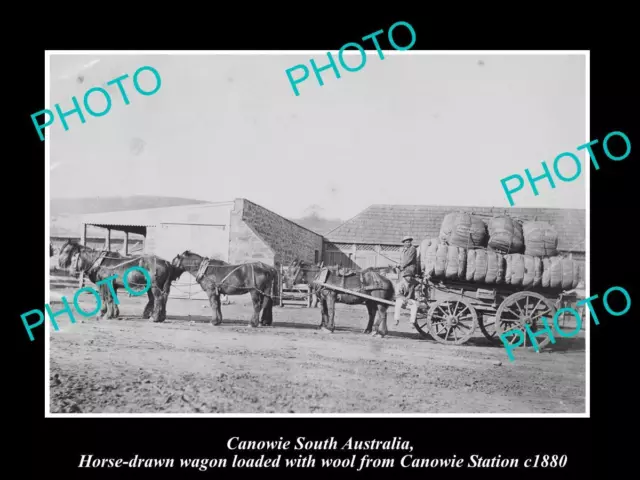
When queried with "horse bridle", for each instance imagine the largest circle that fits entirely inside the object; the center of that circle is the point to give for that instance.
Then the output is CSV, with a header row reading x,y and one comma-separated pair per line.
x,y
73,268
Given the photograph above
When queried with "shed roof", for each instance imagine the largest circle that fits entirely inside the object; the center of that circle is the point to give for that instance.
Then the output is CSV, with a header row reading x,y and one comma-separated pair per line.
x,y
387,224
143,218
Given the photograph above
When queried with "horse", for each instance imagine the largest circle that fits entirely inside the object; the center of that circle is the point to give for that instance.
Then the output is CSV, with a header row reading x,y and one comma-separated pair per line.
x,y
369,281
217,277
98,265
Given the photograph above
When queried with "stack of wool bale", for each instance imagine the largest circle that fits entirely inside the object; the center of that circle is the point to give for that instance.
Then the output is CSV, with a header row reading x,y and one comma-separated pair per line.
x,y
446,257
505,251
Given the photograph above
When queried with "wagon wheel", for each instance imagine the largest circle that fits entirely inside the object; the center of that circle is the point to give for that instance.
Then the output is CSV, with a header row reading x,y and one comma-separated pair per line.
x,y
452,321
487,324
525,308
422,320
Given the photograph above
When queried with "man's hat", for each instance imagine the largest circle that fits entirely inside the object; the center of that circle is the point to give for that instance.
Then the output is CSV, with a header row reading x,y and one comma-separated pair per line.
x,y
408,237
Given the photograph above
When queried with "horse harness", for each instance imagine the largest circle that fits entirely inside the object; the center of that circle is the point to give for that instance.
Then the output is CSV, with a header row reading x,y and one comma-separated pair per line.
x,y
204,265
97,263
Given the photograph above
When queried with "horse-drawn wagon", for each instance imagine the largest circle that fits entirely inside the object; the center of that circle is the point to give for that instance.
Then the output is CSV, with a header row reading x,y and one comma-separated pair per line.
x,y
450,312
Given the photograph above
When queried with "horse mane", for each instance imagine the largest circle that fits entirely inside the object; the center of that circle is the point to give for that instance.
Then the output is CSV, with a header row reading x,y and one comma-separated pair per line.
x,y
212,261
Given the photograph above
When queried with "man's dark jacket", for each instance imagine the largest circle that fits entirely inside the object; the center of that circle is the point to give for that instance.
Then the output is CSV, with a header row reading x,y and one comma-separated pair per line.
x,y
409,261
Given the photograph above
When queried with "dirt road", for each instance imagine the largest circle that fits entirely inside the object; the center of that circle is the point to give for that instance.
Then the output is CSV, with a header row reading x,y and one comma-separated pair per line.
x,y
186,365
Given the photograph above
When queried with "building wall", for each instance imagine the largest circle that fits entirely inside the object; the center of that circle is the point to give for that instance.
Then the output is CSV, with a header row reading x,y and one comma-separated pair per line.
x,y
203,229
258,234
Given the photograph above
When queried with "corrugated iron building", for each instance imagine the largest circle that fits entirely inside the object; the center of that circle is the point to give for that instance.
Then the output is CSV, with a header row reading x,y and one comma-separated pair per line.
x,y
373,237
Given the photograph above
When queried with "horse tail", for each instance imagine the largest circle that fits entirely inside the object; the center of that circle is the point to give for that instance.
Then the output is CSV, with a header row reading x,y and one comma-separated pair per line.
x,y
272,277
167,282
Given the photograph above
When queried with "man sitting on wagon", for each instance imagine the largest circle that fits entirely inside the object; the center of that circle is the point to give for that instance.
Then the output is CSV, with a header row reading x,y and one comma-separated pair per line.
x,y
407,283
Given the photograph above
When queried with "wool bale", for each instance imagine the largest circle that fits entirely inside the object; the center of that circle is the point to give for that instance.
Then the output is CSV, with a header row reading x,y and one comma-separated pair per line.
x,y
564,273
546,273
450,262
555,272
540,239
537,272
440,268
463,230
471,265
456,263
427,253
476,265
495,268
532,271
514,274
505,235
484,266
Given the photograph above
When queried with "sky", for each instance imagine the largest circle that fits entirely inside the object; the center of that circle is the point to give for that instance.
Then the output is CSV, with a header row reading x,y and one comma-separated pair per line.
x,y
410,129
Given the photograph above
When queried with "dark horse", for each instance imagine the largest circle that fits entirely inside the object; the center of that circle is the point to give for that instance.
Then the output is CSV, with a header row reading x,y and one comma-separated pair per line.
x,y
217,277
100,264
369,281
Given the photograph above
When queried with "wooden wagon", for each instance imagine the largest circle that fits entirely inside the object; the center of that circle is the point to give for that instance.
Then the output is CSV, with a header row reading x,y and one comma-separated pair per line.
x,y
451,312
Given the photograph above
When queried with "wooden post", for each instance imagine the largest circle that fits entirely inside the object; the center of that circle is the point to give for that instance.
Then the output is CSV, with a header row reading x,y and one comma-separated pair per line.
x,y
280,286
126,243
108,245
83,240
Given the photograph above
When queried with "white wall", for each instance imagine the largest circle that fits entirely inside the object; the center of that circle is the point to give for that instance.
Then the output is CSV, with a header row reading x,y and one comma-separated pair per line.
x,y
202,229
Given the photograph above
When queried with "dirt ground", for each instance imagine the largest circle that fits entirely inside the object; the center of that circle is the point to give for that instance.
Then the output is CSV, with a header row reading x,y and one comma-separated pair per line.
x,y
186,365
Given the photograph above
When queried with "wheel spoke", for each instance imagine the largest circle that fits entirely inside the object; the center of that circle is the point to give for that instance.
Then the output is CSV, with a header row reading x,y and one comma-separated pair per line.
x,y
513,313
536,307
542,314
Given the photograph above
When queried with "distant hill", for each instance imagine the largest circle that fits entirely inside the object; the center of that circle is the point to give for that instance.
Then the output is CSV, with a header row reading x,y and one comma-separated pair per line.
x,y
82,206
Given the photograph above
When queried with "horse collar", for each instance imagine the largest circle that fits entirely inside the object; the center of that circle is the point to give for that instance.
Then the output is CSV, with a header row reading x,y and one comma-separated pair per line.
x,y
98,261
203,268
74,262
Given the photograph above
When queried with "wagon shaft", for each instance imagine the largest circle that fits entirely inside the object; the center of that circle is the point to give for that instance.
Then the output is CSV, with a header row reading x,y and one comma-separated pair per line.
x,y
354,293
